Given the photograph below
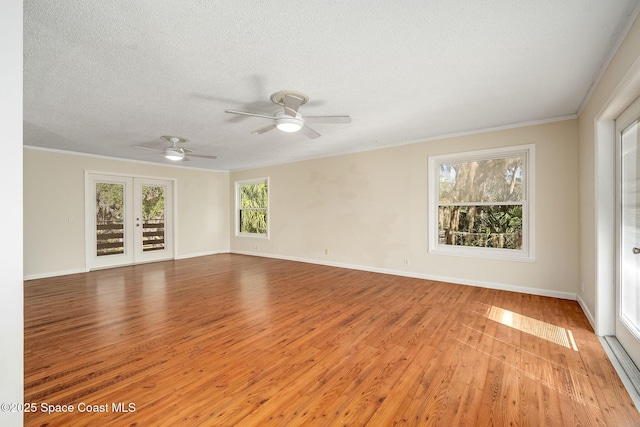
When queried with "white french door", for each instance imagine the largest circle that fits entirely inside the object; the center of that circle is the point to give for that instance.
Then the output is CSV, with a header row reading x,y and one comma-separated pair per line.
x,y
127,220
628,225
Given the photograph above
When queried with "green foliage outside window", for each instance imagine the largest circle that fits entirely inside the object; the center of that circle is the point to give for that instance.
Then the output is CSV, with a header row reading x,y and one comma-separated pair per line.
x,y
253,208
109,202
152,203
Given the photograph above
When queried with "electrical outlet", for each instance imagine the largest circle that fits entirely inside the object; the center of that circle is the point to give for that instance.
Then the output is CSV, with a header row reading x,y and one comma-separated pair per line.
x,y
326,251
406,261
255,247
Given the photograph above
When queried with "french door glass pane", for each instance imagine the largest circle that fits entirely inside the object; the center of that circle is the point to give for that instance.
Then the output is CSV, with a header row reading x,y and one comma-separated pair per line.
x,y
153,216
630,233
109,219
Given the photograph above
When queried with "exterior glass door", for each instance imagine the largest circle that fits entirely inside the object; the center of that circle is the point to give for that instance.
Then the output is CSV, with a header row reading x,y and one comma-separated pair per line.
x,y
128,220
628,262
152,222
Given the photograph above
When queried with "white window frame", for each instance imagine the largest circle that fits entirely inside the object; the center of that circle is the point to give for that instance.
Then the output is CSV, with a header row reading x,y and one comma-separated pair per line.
x,y
527,253
239,184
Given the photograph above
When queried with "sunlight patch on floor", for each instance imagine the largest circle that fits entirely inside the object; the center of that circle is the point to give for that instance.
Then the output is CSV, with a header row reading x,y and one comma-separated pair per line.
x,y
538,328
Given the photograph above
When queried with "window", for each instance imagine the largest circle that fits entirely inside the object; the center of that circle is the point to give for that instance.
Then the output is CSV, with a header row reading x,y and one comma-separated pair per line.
x,y
481,203
252,203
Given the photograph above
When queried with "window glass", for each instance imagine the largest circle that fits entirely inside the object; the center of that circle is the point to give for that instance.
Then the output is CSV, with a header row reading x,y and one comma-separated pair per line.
x,y
480,203
495,180
252,209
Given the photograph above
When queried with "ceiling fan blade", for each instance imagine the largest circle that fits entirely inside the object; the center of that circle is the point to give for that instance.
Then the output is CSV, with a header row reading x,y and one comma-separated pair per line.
x,y
329,119
263,130
245,113
148,148
291,104
184,159
204,156
309,132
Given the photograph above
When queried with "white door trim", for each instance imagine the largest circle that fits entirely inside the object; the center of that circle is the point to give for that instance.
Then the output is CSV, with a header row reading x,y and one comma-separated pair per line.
x,y
605,175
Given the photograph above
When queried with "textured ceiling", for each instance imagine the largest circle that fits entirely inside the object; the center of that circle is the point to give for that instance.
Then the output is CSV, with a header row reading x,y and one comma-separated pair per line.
x,y
103,76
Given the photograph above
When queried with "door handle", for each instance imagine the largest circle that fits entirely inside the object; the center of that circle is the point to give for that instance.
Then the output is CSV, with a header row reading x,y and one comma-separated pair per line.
x,y
635,251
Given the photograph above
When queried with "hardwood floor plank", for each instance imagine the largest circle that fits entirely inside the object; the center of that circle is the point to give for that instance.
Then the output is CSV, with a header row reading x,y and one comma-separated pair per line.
x,y
237,340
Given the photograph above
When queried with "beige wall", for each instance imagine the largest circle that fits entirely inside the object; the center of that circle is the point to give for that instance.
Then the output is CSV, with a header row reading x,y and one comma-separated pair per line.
x,y
595,278
369,210
54,192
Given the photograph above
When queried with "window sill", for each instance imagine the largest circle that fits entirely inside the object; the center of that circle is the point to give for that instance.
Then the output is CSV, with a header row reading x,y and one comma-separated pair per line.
x,y
254,235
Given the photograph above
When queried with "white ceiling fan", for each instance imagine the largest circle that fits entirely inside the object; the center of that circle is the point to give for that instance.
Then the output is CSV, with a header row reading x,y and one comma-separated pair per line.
x,y
290,120
174,152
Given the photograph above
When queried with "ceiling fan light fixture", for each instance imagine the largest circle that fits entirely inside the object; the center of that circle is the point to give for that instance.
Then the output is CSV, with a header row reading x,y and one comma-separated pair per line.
x,y
289,127
289,124
174,154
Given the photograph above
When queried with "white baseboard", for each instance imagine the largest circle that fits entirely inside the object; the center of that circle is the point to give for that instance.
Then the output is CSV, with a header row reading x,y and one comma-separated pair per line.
x,y
195,255
415,275
54,274
82,270
586,312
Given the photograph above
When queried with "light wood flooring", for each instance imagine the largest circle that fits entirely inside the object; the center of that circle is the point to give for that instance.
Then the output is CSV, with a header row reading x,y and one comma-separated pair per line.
x,y
233,340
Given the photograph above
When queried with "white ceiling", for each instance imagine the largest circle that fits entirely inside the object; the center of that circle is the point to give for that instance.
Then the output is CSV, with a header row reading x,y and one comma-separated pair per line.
x,y
102,76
